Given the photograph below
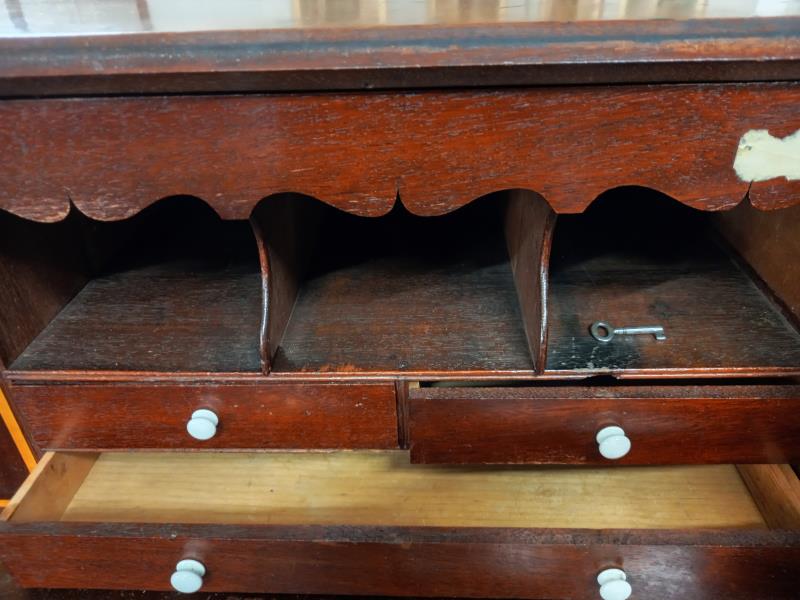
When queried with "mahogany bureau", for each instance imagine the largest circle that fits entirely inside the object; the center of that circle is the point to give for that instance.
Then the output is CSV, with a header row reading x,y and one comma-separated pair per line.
x,y
475,299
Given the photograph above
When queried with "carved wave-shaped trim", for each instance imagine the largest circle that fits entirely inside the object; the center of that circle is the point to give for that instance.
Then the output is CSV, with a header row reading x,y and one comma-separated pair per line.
x,y
437,151
763,197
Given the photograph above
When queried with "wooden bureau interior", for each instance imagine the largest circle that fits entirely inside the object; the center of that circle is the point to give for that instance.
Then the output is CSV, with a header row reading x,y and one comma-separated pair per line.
x,y
172,289
176,289
504,309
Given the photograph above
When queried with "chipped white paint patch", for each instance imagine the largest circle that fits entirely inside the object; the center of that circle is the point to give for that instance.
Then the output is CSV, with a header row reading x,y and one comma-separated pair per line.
x,y
762,156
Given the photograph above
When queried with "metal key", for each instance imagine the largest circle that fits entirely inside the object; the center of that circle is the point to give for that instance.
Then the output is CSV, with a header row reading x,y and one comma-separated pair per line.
x,y
599,327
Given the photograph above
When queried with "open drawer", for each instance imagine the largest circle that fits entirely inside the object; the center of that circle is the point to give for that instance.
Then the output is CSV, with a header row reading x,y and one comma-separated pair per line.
x,y
606,423
370,523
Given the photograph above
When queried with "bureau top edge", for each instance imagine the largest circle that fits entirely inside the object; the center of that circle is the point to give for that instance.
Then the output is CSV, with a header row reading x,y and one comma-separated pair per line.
x,y
45,51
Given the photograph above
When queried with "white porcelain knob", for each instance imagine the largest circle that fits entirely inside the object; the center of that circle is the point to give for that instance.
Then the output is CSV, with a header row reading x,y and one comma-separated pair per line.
x,y
188,576
613,442
614,585
203,424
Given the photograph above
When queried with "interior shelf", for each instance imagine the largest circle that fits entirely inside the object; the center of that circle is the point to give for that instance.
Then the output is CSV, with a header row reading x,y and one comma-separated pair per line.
x,y
306,289
178,290
402,293
643,260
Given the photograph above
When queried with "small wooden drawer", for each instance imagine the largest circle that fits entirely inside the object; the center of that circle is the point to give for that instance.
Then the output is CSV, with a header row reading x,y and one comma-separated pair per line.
x,y
279,415
676,424
369,523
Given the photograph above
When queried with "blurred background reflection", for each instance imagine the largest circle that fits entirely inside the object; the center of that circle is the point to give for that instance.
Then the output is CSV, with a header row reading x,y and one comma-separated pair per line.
x,y
21,17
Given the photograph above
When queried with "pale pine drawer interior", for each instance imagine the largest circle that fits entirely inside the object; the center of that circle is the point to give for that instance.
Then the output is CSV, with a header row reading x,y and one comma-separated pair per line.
x,y
383,488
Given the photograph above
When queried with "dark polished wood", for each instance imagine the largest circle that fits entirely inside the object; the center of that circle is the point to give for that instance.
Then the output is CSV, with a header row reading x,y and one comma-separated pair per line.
x,y
769,244
21,437
151,327
9,590
182,295
461,295
12,470
251,416
405,294
42,268
286,232
640,259
328,221
529,222
105,48
680,424
358,152
478,563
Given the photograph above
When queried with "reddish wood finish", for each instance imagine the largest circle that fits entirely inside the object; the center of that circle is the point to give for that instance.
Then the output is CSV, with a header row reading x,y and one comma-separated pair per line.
x,y
495,563
178,316
641,259
285,229
529,224
408,295
251,416
12,470
41,269
565,113
442,306
180,292
401,391
557,425
770,243
357,151
342,51
20,438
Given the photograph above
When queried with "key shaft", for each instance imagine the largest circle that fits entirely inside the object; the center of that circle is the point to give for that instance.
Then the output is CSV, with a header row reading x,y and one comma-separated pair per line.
x,y
605,332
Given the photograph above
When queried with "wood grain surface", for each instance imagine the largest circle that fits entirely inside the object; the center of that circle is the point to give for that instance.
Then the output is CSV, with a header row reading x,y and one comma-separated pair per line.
x,y
681,424
770,243
42,267
476,562
49,49
15,429
266,415
362,488
637,259
405,294
776,491
12,469
529,222
437,150
175,316
50,487
183,293
286,233
479,563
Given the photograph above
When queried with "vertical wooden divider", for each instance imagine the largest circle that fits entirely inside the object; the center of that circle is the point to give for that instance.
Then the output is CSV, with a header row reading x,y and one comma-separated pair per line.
x,y
285,227
769,243
776,492
49,489
403,421
529,222
42,267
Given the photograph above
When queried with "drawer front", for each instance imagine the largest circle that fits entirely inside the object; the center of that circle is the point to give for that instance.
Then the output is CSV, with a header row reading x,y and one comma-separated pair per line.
x,y
433,562
368,523
664,424
249,416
